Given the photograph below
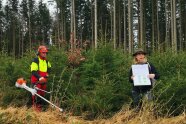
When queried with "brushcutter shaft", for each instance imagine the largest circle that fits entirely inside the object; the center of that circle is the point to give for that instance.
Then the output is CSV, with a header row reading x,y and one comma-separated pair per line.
x,y
60,109
41,90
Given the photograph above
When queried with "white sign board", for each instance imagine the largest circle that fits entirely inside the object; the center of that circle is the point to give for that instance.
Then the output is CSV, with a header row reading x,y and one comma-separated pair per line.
x,y
140,73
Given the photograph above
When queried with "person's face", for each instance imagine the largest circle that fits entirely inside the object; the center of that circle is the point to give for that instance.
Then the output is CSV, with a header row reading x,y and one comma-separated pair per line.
x,y
43,54
140,58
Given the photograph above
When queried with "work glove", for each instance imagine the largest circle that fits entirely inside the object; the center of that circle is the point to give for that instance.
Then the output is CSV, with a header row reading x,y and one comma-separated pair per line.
x,y
42,80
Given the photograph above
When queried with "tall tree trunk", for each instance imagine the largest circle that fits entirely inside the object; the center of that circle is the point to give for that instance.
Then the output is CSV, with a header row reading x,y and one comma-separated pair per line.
x,y
22,44
141,42
119,26
111,24
167,21
106,32
1,39
65,33
57,38
158,31
130,21
180,27
145,44
81,33
63,28
29,27
14,38
173,26
74,23
95,23
153,26
114,28
124,25
72,27
138,25
92,25
19,42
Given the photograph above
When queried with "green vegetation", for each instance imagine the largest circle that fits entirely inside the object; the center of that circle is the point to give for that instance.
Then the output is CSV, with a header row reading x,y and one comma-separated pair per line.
x,y
97,87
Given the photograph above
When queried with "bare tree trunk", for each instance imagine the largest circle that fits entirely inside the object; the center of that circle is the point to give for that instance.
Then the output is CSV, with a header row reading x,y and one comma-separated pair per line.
x,y
14,38
167,21
65,39
119,26
111,25
71,27
74,21
114,3
141,42
57,38
95,23
158,32
19,43
101,31
173,26
180,27
145,44
106,32
139,23
1,39
153,26
130,21
92,24
81,34
124,32
63,28
22,45
29,28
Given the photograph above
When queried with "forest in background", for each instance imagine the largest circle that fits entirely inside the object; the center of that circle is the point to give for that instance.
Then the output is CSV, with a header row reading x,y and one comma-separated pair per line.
x,y
105,32
153,25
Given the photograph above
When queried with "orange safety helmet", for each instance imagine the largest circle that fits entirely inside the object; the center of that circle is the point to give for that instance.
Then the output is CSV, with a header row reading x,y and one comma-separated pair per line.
x,y
42,49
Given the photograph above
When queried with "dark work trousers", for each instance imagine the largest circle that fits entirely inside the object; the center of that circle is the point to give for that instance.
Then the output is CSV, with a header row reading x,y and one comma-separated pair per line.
x,y
139,95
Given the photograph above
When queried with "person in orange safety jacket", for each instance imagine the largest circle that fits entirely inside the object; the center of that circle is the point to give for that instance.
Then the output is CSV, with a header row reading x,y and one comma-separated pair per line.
x,y
40,68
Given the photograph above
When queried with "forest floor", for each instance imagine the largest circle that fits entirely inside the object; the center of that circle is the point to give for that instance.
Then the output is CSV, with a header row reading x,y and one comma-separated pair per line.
x,y
29,116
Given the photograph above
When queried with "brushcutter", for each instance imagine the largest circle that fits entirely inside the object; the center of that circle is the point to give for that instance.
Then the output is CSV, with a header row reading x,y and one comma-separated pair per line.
x,y
21,83
36,88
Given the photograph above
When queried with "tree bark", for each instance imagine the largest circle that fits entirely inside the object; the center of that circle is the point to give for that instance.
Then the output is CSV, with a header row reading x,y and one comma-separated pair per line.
x,y
130,21
95,23
124,25
114,40
141,25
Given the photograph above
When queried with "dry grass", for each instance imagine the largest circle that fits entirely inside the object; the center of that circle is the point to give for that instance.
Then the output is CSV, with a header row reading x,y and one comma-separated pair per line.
x,y
29,116
126,116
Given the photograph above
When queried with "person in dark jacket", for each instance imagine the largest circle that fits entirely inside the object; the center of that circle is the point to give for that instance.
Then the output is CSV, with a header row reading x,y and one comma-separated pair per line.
x,y
139,92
